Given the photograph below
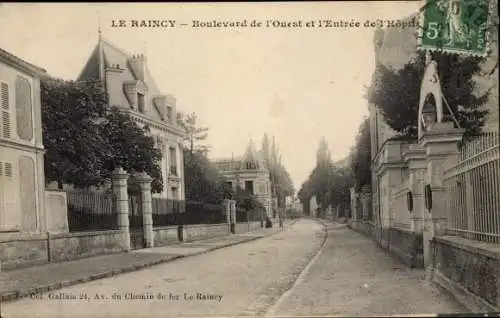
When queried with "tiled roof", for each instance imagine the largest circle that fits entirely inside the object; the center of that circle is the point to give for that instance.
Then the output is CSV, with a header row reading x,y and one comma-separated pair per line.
x,y
113,56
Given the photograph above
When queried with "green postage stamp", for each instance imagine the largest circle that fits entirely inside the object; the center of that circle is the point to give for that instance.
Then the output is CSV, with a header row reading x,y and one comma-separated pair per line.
x,y
455,26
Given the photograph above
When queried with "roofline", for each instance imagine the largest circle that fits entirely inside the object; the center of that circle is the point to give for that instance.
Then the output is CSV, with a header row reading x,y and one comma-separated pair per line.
x,y
86,63
20,63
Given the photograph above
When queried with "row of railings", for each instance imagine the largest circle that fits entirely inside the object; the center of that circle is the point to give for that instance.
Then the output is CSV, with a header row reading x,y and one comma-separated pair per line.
x,y
473,190
93,211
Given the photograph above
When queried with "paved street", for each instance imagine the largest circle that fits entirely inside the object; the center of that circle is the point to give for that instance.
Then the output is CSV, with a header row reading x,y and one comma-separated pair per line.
x,y
352,277
245,279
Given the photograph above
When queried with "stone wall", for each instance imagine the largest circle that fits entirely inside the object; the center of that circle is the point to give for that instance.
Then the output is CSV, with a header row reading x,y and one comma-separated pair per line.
x,y
469,270
197,232
254,226
247,227
65,247
39,249
165,235
405,245
23,251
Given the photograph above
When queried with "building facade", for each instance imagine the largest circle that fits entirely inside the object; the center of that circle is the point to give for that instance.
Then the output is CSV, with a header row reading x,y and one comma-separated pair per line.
x,y
22,205
130,87
394,47
249,173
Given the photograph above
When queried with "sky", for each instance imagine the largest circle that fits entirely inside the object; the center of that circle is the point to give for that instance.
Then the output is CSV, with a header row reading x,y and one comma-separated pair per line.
x,y
295,83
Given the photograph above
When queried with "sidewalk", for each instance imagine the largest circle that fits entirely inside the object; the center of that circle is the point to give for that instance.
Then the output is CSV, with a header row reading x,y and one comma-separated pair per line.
x,y
353,277
20,283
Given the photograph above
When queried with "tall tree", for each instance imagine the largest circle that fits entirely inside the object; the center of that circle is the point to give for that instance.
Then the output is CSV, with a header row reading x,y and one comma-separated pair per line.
x,y
131,148
71,129
194,133
202,180
396,92
360,157
85,139
265,149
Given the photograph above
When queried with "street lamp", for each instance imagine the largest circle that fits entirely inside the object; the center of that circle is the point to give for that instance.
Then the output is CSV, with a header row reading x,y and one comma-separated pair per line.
x,y
429,116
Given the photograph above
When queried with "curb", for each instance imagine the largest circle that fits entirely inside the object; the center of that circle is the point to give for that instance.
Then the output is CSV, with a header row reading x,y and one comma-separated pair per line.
x,y
14,295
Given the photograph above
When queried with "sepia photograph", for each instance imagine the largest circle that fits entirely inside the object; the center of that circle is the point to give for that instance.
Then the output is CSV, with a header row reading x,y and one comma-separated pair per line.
x,y
249,159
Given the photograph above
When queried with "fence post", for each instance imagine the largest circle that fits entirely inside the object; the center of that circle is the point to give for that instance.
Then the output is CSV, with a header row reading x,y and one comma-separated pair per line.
x,y
144,182
233,216
120,203
226,206
441,148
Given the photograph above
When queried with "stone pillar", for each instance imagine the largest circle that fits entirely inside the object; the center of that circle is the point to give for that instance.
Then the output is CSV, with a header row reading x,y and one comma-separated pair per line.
x,y
226,206
417,166
144,182
441,151
354,203
233,216
120,203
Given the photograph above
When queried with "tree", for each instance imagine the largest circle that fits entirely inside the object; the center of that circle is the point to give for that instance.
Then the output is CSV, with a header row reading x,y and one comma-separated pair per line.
x,y
194,133
396,92
85,139
71,129
131,148
360,157
202,180
328,183
266,149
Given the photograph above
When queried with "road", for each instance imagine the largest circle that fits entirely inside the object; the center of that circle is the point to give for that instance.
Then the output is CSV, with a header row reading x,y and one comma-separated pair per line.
x,y
292,273
243,280
353,277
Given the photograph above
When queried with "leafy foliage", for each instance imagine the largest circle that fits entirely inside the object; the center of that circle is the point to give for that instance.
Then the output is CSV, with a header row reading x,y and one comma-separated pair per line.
x,y
202,180
71,131
361,156
281,182
194,133
85,139
131,148
328,183
396,92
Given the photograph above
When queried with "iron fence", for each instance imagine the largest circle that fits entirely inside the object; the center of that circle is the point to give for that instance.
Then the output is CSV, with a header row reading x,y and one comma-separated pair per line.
x,y
473,190
90,210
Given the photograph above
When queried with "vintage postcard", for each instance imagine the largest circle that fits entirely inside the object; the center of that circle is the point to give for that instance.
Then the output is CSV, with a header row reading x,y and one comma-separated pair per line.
x,y
240,159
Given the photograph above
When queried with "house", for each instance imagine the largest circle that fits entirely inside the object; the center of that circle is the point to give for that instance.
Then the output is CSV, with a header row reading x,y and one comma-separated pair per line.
x,y
130,87
22,197
250,173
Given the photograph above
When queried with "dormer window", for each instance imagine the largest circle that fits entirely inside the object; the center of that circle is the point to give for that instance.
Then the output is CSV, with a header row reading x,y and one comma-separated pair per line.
x,y
169,113
251,165
141,102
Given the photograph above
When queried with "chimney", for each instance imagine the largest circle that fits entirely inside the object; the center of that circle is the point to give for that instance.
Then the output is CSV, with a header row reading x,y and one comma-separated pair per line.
x,y
138,66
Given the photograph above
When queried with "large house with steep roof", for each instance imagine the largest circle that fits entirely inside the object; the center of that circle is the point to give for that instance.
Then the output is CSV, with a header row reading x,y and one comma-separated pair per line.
x,y
130,87
249,173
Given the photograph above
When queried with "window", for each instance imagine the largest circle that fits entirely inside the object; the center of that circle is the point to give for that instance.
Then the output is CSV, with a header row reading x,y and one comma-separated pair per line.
x,y
169,113
249,186
24,108
141,103
229,184
5,123
173,161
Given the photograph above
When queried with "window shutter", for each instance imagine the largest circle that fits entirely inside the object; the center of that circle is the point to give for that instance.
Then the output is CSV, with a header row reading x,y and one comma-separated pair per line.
x,y
5,111
2,199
